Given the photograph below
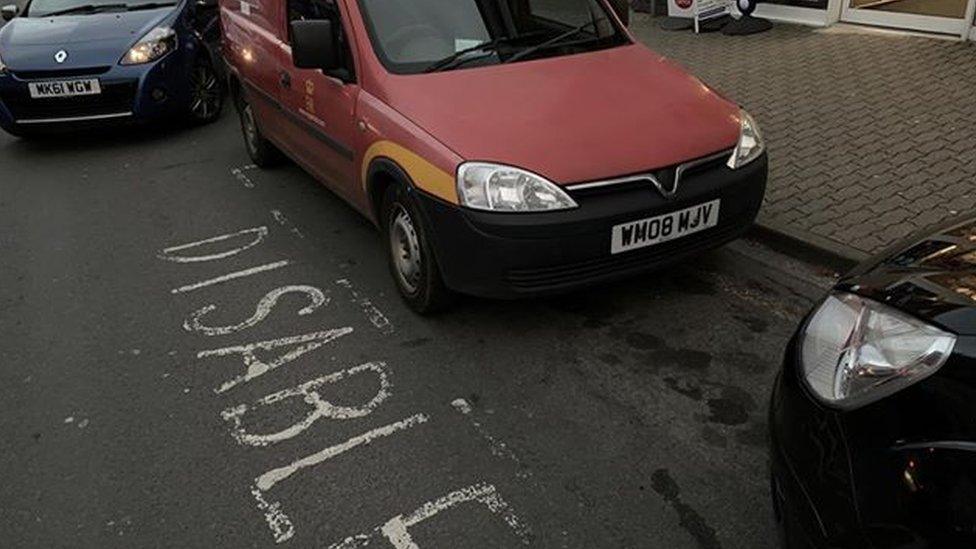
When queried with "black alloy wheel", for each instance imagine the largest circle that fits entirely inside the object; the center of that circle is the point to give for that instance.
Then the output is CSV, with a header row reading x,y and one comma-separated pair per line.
x,y
206,93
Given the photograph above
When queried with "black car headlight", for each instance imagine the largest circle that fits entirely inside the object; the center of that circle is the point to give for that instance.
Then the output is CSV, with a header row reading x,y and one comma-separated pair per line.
x,y
855,351
154,45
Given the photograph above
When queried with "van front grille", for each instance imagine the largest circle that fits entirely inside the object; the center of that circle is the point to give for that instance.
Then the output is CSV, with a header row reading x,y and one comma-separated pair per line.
x,y
571,274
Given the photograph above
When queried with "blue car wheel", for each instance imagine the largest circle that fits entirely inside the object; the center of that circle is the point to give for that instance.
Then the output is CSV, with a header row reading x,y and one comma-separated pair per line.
x,y
206,93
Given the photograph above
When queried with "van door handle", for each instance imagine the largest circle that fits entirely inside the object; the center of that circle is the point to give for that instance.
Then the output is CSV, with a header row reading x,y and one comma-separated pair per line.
x,y
284,79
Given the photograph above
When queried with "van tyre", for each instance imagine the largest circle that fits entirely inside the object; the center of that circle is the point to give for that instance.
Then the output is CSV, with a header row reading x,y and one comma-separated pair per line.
x,y
206,93
410,254
261,151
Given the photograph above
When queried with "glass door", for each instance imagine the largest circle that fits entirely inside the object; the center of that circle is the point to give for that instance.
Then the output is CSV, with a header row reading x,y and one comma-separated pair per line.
x,y
942,16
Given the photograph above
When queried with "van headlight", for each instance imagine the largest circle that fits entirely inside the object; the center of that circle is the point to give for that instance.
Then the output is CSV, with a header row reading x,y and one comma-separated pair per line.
x,y
750,145
155,44
498,188
855,351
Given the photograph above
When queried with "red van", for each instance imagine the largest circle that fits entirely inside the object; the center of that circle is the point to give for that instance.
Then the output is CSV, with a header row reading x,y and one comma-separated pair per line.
x,y
505,148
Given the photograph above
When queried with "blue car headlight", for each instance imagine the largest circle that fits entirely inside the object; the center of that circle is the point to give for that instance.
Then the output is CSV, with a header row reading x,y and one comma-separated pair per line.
x,y
154,45
3,68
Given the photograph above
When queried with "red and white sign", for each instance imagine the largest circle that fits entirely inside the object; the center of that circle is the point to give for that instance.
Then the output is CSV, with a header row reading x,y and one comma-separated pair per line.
x,y
681,8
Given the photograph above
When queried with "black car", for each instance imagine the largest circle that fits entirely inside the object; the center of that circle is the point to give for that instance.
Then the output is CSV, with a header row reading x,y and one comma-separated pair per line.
x,y
873,418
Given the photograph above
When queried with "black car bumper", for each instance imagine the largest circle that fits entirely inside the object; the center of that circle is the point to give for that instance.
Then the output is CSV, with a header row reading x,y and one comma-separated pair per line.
x,y
515,255
894,474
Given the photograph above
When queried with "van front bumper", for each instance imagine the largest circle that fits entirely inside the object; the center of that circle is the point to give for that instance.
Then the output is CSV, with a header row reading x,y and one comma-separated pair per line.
x,y
513,255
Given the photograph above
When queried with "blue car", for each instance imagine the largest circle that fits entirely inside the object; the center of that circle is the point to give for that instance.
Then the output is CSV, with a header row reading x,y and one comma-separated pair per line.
x,y
67,64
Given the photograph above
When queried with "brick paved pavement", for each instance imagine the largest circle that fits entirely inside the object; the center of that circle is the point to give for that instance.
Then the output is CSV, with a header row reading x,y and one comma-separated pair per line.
x,y
870,136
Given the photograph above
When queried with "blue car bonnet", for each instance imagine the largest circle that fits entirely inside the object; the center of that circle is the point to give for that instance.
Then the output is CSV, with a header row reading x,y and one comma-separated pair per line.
x,y
30,43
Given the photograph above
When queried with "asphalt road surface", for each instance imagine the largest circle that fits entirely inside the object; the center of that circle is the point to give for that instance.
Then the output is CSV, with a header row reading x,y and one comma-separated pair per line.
x,y
197,353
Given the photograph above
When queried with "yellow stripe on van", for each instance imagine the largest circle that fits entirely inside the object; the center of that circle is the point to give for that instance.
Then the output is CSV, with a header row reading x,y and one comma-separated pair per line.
x,y
424,175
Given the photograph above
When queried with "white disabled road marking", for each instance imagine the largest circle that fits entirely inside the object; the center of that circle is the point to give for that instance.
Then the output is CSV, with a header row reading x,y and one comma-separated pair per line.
x,y
268,480
168,254
231,276
255,367
262,310
396,530
282,528
287,349
281,525
321,408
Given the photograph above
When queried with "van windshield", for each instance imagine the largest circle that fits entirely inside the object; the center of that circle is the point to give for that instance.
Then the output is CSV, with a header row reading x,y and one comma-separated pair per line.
x,y
436,35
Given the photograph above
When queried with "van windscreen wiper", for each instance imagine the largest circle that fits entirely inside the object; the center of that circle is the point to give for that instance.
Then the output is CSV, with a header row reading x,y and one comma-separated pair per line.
x,y
86,8
557,40
459,58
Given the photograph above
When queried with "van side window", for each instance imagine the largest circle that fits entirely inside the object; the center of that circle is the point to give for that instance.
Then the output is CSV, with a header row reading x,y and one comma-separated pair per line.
x,y
312,10
317,10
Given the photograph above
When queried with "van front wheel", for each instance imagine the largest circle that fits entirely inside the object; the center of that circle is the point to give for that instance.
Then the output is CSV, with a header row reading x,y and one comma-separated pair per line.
x,y
261,151
410,254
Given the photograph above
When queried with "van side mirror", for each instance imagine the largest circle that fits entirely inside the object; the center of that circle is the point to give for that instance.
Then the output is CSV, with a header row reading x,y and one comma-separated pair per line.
x,y
9,11
314,46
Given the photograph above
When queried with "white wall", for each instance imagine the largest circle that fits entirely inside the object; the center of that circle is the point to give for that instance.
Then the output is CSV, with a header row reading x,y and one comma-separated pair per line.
x,y
792,14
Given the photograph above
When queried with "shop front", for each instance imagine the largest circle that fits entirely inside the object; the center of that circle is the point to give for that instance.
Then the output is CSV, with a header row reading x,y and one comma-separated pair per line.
x,y
942,16
948,17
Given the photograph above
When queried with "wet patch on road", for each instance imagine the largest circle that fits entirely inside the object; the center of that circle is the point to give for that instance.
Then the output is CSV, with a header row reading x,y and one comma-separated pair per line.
x,y
714,437
688,517
754,324
750,363
414,343
733,407
685,387
662,353
756,434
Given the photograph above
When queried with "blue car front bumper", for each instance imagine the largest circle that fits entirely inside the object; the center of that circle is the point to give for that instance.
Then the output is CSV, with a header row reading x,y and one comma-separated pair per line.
x,y
129,94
